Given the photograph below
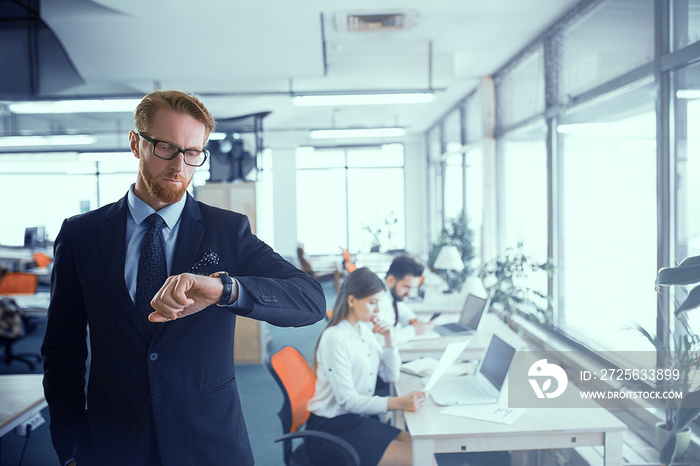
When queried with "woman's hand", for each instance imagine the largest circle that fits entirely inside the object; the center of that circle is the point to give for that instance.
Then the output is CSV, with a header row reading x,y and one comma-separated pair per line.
x,y
383,329
413,401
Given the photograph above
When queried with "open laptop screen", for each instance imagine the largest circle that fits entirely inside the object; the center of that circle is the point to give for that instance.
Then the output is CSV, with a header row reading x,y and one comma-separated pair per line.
x,y
497,361
473,310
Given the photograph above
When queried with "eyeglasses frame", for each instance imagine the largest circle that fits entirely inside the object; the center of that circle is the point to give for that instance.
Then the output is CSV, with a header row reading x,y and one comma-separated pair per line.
x,y
184,159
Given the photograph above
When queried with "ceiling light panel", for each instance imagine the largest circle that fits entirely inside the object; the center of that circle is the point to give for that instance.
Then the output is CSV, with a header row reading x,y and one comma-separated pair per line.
x,y
363,99
75,106
356,133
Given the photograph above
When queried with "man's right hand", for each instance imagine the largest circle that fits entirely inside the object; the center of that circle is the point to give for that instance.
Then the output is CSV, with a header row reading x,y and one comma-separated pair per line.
x,y
419,325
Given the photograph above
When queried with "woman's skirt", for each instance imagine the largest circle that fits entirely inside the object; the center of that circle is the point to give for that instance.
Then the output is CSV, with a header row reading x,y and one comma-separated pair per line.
x,y
369,437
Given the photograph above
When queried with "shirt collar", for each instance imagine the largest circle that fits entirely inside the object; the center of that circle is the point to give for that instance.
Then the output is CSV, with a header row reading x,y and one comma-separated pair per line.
x,y
140,210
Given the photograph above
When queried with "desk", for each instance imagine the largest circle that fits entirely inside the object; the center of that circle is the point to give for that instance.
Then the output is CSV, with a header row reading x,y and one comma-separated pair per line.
x,y
32,304
437,301
537,429
22,398
489,326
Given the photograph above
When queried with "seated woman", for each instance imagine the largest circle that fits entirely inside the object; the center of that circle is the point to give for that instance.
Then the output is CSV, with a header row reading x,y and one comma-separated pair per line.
x,y
348,360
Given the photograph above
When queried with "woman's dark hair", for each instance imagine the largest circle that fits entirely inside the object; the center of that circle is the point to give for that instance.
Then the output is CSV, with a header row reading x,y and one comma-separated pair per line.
x,y
360,284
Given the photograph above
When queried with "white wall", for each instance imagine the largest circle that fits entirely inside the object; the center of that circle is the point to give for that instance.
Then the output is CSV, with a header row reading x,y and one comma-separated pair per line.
x,y
416,196
285,201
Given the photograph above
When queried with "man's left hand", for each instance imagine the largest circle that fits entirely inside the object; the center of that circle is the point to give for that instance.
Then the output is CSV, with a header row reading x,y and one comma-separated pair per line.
x,y
186,294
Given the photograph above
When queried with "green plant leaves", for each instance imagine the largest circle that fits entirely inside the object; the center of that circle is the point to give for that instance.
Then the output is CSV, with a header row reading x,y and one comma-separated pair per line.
x,y
680,275
691,302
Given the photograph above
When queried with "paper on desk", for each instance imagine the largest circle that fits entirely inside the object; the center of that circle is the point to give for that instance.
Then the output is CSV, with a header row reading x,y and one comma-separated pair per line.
x,y
449,356
492,413
425,366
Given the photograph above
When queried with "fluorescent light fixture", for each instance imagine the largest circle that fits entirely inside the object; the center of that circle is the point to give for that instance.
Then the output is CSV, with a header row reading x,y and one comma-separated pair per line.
x,y
75,106
217,136
105,156
55,140
356,133
362,99
688,93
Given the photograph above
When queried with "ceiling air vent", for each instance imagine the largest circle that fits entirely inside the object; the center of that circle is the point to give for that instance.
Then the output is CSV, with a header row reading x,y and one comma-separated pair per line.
x,y
374,21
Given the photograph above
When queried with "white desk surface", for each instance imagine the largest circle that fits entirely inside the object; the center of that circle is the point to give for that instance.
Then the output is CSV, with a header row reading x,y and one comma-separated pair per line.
x,y
22,398
437,301
490,325
433,432
32,302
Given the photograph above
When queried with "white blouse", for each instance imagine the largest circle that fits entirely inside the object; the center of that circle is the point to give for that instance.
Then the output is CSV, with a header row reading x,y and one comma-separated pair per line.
x,y
349,358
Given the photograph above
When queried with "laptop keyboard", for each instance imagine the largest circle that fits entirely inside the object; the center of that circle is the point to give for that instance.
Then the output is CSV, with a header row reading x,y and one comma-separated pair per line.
x,y
453,327
463,388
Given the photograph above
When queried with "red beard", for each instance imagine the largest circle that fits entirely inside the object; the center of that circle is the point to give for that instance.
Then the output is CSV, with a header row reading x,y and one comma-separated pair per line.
x,y
161,190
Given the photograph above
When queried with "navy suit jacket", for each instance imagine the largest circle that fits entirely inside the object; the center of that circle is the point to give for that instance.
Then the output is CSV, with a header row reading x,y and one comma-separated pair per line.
x,y
178,388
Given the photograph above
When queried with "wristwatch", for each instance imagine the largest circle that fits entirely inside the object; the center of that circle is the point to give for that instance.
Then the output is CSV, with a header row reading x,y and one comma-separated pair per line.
x,y
228,287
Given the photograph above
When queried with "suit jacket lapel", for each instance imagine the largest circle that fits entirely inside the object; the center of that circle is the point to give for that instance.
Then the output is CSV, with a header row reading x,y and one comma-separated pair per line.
x,y
189,238
113,242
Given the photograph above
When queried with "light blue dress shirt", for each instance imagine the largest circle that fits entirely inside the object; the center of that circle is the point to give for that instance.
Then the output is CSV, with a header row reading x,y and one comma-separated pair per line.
x,y
136,228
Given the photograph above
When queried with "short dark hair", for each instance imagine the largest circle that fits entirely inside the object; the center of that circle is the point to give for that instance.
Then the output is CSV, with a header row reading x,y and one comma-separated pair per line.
x,y
404,265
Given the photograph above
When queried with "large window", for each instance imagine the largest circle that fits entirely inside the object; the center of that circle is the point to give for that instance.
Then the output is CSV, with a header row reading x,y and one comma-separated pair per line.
x,y
44,189
685,25
607,218
351,198
616,37
523,182
687,168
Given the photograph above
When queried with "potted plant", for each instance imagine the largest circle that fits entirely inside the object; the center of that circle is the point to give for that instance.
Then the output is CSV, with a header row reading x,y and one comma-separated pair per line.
x,y
455,233
684,357
504,280
384,229
679,354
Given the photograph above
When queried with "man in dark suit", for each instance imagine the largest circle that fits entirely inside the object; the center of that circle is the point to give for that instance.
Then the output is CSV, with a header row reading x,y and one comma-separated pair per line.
x,y
156,281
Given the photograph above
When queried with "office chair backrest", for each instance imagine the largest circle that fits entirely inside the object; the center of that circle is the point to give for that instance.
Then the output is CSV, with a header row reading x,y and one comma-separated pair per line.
x,y
18,283
347,261
41,259
298,383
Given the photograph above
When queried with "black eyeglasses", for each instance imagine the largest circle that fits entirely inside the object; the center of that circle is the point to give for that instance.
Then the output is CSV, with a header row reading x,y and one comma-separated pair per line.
x,y
167,151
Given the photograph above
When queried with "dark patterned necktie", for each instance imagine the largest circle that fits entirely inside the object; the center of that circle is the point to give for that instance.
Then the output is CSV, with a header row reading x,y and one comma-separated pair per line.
x,y
396,313
152,271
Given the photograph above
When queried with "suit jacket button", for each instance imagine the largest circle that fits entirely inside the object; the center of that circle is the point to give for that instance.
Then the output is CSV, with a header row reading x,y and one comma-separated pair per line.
x,y
153,356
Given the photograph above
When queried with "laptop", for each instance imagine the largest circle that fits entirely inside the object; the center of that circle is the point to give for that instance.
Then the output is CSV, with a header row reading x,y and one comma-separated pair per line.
x,y
485,386
472,312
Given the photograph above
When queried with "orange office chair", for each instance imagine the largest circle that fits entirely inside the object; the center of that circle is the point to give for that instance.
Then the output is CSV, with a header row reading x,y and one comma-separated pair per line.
x,y
41,259
18,283
297,381
347,261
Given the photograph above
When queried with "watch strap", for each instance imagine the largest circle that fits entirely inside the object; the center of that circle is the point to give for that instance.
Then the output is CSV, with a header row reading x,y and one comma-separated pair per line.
x,y
227,281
